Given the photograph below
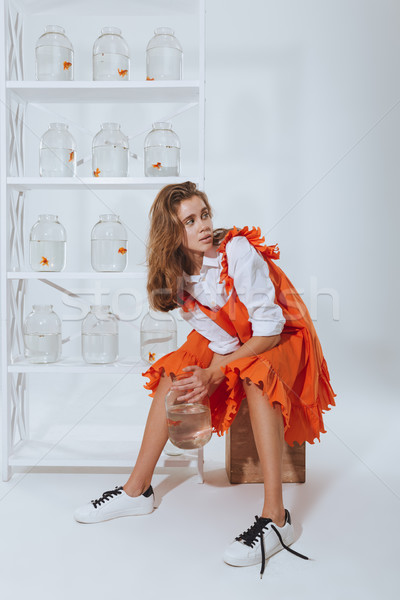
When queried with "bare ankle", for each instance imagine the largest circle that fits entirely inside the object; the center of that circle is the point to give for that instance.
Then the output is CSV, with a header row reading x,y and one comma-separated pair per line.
x,y
278,517
134,491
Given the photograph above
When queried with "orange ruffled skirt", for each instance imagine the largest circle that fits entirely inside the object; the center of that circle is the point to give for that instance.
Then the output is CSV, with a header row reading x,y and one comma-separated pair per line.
x,y
280,372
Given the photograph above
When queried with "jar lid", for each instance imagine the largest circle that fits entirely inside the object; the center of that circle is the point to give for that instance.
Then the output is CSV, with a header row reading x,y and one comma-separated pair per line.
x,y
58,126
49,217
110,126
111,30
54,29
164,31
162,125
47,307
109,217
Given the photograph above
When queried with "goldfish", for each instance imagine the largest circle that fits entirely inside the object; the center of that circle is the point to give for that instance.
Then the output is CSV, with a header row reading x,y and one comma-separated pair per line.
x,y
44,261
71,156
149,78
67,65
152,356
122,72
172,423
97,172
122,251
157,166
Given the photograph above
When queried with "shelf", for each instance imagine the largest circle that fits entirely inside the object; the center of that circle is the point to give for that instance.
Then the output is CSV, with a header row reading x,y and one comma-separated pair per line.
x,y
128,365
83,183
49,92
74,275
88,453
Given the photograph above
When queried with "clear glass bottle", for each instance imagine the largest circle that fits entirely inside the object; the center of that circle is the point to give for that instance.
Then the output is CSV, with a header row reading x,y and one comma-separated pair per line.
x,y
57,152
100,335
158,335
54,55
189,422
47,244
110,152
109,245
110,56
42,335
162,151
163,56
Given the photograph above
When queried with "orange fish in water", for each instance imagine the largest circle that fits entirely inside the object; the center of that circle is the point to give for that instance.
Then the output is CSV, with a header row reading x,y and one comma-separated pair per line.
x,y
172,423
67,65
44,261
71,156
97,172
122,72
122,251
149,78
152,356
157,166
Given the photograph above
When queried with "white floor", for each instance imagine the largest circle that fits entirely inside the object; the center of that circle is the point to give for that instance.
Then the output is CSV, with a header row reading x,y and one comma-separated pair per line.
x,y
345,517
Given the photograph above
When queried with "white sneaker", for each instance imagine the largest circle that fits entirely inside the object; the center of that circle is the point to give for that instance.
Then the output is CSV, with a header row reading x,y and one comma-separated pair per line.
x,y
115,503
259,542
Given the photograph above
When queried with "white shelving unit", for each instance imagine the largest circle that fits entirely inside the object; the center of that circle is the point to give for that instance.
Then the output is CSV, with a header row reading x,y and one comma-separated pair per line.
x,y
16,95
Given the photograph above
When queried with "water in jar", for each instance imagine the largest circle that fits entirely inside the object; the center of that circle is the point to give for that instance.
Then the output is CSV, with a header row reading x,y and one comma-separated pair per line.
x,y
164,63
155,344
99,347
57,162
42,347
54,63
161,161
189,425
47,255
109,255
110,160
110,67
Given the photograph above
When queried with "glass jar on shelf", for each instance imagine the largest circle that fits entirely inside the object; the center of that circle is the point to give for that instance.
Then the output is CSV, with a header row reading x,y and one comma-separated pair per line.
x,y
100,335
109,244
158,335
162,151
57,152
47,244
163,56
110,56
42,335
110,152
54,55
189,421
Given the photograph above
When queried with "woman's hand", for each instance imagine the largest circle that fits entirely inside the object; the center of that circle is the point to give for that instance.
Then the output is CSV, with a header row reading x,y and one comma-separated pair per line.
x,y
198,384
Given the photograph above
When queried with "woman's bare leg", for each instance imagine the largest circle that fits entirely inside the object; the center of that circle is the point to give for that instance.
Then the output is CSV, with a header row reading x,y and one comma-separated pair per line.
x,y
268,428
154,439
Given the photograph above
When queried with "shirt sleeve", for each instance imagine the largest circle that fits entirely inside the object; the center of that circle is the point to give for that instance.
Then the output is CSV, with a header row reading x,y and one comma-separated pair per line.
x,y
254,287
220,341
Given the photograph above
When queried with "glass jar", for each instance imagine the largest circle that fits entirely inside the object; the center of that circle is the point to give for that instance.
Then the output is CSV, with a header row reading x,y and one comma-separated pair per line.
x,y
189,422
47,244
42,335
162,151
110,152
158,335
110,56
57,152
163,56
54,55
109,245
100,335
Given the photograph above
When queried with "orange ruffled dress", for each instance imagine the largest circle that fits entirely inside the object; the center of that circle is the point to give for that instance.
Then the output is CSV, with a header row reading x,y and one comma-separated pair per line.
x,y
294,373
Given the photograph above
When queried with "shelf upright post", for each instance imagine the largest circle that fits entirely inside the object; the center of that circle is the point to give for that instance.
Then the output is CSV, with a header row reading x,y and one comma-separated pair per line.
x,y
5,377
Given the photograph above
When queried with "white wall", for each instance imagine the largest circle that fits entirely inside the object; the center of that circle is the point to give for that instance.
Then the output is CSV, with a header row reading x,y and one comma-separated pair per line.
x,y
303,116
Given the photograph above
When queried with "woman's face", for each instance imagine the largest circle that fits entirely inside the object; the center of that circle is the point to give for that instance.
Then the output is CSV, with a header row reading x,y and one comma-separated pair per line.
x,y
197,222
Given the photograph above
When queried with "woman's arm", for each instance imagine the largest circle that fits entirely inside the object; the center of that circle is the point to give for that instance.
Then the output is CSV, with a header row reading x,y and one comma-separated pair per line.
x,y
212,376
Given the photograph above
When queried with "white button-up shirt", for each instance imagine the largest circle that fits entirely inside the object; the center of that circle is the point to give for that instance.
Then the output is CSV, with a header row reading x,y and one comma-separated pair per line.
x,y
253,286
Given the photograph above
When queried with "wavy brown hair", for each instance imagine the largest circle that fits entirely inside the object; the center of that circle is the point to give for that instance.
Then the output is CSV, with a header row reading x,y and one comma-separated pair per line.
x,y
166,257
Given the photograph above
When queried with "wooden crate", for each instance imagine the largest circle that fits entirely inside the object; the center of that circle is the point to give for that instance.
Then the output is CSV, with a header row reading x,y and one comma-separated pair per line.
x,y
241,457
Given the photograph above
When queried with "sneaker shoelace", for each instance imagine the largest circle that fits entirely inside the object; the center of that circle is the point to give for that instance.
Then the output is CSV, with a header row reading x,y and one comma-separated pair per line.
x,y
250,536
107,496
